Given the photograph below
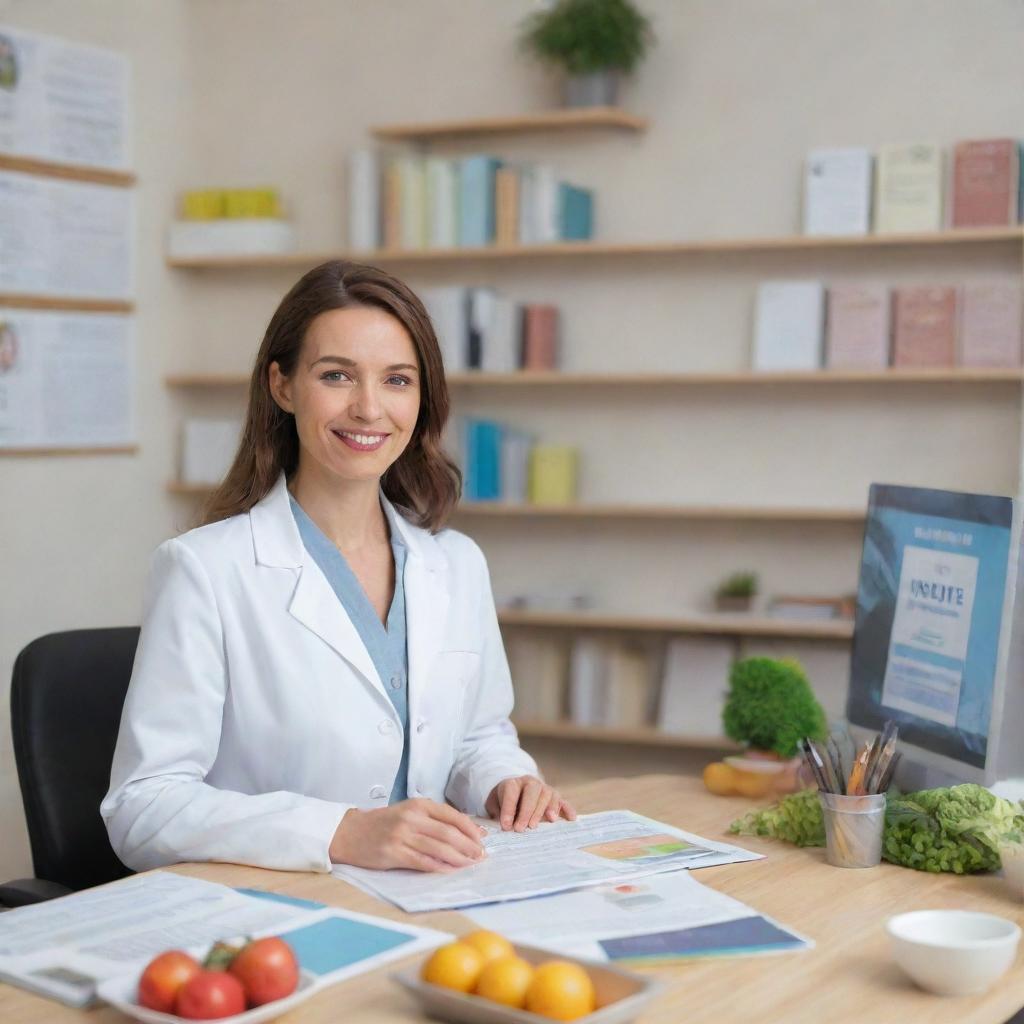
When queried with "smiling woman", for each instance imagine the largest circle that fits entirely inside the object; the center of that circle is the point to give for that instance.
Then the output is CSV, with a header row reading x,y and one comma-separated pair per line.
x,y
320,676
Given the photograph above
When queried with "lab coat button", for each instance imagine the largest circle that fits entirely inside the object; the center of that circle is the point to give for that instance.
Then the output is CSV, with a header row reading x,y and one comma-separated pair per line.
x,y
396,682
385,727
422,727
378,793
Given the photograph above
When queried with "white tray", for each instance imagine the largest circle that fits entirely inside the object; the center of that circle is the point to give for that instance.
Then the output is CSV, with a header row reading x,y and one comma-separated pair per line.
x,y
621,995
122,993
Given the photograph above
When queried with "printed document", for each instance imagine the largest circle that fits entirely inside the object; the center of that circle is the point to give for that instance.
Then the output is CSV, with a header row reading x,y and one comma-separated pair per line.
x,y
64,948
612,846
661,917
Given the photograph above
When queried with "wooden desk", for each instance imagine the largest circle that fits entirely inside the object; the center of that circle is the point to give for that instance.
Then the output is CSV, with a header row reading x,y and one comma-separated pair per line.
x,y
847,977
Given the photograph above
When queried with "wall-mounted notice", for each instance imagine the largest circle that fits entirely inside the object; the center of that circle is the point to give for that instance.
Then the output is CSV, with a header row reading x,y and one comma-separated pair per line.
x,y
65,380
63,102
65,238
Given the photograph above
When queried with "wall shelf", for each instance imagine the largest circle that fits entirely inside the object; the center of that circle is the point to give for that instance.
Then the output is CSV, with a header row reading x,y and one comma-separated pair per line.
x,y
625,250
499,510
634,737
711,625
53,303
558,378
568,119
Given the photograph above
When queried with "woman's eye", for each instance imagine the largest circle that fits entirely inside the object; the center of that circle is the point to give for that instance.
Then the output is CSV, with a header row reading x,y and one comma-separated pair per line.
x,y
400,380
334,376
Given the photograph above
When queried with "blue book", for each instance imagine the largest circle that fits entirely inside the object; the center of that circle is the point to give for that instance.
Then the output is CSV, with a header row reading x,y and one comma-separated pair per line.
x,y
476,200
575,212
483,460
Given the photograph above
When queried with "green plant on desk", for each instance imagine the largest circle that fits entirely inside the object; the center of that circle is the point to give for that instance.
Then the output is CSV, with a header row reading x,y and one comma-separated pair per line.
x,y
770,706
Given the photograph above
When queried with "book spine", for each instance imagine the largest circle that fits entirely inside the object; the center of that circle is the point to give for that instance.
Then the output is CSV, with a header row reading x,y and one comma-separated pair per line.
x,y
364,222
986,183
540,337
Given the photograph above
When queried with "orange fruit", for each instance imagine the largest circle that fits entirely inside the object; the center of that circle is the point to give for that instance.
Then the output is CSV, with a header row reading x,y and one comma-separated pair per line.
x,y
505,980
490,945
753,784
720,778
560,990
455,965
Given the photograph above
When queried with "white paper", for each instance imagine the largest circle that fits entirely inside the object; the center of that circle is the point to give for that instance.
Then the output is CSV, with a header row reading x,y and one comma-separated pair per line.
x,y
837,192
66,379
612,846
576,923
790,325
101,933
63,238
62,101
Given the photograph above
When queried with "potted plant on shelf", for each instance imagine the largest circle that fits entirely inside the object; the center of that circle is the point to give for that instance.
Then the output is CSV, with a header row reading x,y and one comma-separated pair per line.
x,y
593,41
736,593
768,708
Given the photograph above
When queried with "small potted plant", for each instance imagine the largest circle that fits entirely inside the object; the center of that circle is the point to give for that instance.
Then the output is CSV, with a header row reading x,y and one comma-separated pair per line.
x,y
592,41
736,593
769,707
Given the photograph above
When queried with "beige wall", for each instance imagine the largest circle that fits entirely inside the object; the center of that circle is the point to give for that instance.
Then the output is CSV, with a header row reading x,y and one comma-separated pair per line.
x,y
236,92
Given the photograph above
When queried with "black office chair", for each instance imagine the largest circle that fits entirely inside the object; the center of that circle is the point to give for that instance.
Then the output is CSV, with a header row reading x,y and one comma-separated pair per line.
x,y
67,691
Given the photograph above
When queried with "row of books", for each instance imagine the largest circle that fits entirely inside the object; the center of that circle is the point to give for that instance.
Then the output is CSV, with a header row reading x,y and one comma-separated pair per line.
x,y
678,688
500,463
850,191
416,202
801,325
481,329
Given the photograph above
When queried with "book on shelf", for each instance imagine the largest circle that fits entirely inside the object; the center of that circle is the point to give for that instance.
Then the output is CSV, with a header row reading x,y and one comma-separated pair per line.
x,y
447,307
837,192
588,681
391,215
540,337
547,226
693,685
628,689
476,199
908,189
482,460
497,322
208,448
990,323
985,191
858,327
575,213
364,228
442,203
515,465
789,325
796,606
924,326
539,666
554,470
413,204
506,202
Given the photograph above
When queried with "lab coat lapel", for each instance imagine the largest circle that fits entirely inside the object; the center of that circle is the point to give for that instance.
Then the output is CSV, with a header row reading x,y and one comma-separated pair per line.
x,y
278,545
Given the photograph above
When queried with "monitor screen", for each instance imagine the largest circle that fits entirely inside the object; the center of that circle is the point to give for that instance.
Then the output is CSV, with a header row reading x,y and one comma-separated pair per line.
x,y
933,611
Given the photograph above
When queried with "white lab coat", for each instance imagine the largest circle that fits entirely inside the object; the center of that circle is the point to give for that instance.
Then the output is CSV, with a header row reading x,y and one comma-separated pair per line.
x,y
255,717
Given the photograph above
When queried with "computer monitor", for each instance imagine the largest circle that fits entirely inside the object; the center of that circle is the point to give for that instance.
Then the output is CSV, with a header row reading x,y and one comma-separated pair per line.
x,y
934,647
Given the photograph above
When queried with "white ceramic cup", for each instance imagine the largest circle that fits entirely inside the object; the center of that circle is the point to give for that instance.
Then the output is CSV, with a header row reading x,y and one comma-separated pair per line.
x,y
953,952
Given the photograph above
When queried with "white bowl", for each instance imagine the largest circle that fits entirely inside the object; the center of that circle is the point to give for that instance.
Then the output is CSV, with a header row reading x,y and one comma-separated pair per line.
x,y
953,952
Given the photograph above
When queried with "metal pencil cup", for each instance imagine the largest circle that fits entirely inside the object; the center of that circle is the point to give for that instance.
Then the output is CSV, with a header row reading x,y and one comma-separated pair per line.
x,y
853,829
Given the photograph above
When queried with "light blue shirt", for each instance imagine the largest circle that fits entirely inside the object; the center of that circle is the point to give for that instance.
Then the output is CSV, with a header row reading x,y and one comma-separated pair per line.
x,y
386,645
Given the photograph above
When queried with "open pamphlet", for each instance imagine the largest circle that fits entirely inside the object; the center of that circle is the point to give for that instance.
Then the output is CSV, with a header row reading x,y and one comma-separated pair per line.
x,y
64,948
659,918
612,846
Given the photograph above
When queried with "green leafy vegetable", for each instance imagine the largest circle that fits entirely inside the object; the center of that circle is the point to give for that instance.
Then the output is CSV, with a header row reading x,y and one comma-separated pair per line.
x,y
956,829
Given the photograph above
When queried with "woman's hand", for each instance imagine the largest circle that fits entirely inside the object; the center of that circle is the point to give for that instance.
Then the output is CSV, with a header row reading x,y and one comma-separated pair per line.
x,y
524,801
418,834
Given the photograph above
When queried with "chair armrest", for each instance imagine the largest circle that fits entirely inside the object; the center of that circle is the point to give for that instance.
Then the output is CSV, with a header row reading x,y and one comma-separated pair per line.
x,y
22,891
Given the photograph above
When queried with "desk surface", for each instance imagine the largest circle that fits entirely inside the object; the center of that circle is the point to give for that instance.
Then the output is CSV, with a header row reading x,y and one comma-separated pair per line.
x,y
847,977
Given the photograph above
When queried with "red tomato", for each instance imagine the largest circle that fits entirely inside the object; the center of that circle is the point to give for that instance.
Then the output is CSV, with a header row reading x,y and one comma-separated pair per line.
x,y
268,970
162,978
209,995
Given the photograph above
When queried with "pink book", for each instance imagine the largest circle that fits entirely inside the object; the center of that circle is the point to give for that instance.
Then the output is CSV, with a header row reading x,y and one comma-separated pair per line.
x,y
990,324
857,334
540,338
924,326
985,183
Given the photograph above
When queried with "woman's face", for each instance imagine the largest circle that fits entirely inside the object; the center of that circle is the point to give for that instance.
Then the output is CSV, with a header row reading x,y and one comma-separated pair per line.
x,y
355,393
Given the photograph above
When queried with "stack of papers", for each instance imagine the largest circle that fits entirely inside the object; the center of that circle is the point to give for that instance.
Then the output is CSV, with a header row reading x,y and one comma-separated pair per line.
x,y
613,846
64,948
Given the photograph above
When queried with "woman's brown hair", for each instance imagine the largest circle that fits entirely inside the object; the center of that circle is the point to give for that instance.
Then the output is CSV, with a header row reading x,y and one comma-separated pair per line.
x,y
423,482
